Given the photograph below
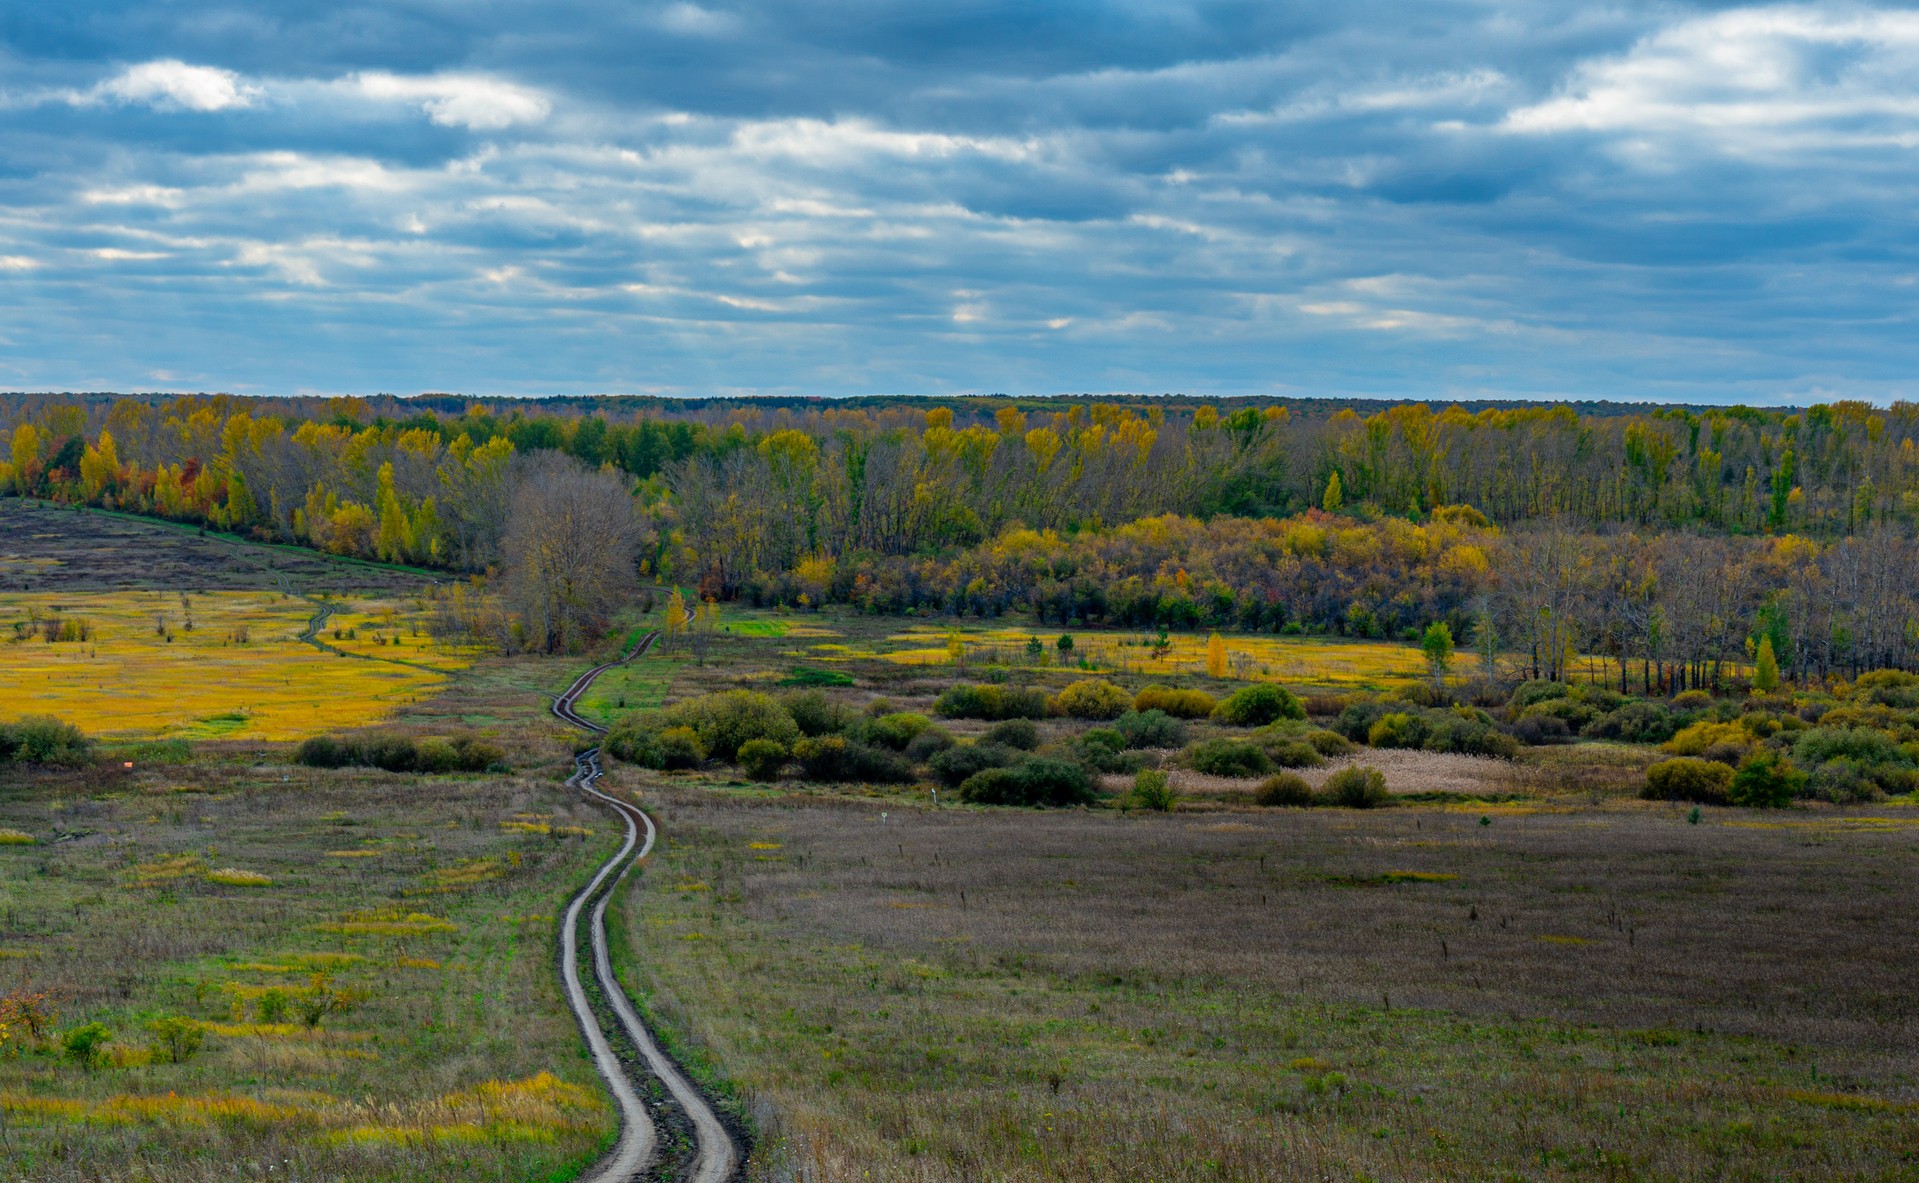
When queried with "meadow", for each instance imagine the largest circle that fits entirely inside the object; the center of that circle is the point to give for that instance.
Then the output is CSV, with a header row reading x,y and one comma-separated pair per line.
x,y
363,962
1592,993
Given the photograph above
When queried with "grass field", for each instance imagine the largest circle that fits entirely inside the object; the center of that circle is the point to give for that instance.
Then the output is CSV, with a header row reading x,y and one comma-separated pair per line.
x,y
1597,994
233,892
239,672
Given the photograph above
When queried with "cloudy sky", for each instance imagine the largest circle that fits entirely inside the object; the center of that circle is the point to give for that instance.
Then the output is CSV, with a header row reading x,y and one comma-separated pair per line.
x,y
1444,199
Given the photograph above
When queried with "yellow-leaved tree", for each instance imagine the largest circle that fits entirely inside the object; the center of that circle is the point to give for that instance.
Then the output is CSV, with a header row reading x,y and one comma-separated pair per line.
x,y
1216,656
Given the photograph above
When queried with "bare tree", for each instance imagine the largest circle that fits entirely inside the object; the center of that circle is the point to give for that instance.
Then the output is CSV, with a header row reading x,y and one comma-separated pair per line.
x,y
570,541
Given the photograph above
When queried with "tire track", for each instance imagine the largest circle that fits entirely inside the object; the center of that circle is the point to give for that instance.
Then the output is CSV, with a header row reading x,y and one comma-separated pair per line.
x,y
715,1158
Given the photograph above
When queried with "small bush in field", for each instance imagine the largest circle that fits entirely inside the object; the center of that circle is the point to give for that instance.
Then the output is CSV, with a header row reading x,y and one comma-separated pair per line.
x,y
43,739
321,751
836,758
1330,744
1033,781
1256,706
991,702
762,759
1151,790
86,1045
929,743
1398,730
1092,698
1180,704
898,729
1228,757
1689,779
956,764
815,714
435,755
1022,734
1766,780
1104,748
1285,789
1294,754
1356,787
176,1039
677,747
1151,728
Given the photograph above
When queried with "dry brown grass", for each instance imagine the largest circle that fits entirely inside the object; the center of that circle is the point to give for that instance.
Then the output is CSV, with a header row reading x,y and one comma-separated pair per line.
x,y
1293,994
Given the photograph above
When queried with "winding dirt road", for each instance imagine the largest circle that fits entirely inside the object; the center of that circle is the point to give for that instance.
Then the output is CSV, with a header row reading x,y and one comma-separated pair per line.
x,y
715,1157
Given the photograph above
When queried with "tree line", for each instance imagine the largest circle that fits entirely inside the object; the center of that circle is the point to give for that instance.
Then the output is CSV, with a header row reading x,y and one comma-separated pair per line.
x,y
1664,541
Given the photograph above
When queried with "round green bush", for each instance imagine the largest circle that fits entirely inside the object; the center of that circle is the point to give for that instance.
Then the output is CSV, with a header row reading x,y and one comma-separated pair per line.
x,y
1398,730
434,755
1356,787
898,729
728,719
1228,757
1022,734
956,764
1285,789
815,714
1258,705
1766,780
1295,754
321,751
929,743
677,747
1033,781
1152,728
762,759
1330,744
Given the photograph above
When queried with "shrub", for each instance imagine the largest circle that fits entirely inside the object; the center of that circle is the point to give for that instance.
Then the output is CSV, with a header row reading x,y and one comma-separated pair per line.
x,y
321,751
815,714
1688,779
43,739
1033,781
1469,733
1330,744
836,758
677,747
1104,749
1842,782
762,759
1691,700
1285,788
1575,713
1538,730
393,753
929,743
1151,790
477,755
1228,757
1296,754
1528,694
1258,705
1705,735
1356,787
1180,704
956,764
898,729
728,719
1151,728
991,702
1635,722
1091,698
177,1039
1356,721
1022,734
1818,745
1766,780
435,755
1893,688
86,1045
1398,730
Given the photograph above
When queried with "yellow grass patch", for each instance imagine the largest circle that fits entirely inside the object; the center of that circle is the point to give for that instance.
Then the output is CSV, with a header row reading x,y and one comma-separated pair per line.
x,y
15,837
1852,1101
353,854
127,1109
165,870
1552,939
129,681
465,874
1419,877
235,877
517,827
389,922
762,846
1329,662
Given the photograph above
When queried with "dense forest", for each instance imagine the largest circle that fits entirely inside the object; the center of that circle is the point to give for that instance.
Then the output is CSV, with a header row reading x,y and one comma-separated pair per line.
x,y
1666,542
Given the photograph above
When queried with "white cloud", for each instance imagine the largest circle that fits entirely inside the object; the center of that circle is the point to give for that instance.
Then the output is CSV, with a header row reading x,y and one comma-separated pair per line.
x,y
693,21
472,101
1752,81
171,85
17,263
